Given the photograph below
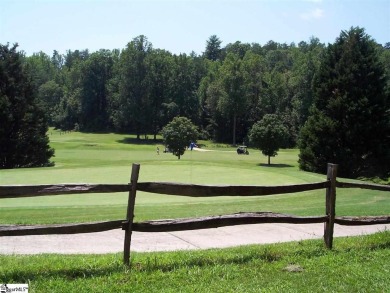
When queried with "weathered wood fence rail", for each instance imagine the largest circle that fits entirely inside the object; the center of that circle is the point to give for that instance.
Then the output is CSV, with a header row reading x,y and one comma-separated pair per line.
x,y
190,223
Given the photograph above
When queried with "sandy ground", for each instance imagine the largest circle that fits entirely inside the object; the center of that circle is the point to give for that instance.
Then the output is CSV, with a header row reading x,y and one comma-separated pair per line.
x,y
112,241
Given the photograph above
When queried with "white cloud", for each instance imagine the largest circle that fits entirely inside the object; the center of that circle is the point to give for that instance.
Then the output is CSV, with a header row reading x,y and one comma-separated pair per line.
x,y
312,14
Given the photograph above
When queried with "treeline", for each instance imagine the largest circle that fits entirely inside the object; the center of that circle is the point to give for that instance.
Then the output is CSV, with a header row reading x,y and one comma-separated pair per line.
x,y
332,101
139,89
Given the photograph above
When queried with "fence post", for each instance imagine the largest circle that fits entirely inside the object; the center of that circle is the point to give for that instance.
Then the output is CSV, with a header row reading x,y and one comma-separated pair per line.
x,y
330,205
128,225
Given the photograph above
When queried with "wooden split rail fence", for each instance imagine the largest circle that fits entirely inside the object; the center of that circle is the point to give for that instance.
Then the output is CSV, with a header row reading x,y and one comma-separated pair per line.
x,y
128,225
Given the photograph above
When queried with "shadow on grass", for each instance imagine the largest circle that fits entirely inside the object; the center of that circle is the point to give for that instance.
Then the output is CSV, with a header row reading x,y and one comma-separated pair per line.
x,y
71,268
200,260
142,141
275,165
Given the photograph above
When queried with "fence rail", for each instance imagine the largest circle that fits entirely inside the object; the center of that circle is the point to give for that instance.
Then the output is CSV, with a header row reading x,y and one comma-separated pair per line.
x,y
363,186
361,221
44,190
22,230
222,221
192,190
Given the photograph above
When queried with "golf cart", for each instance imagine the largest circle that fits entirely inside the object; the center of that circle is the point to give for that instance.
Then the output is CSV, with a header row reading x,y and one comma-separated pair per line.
x,y
242,150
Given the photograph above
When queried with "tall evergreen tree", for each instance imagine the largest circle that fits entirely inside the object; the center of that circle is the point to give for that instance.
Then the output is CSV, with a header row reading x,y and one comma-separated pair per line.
x,y
349,123
23,138
213,48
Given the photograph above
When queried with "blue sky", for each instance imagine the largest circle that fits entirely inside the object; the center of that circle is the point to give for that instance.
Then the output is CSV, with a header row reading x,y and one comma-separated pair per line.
x,y
183,26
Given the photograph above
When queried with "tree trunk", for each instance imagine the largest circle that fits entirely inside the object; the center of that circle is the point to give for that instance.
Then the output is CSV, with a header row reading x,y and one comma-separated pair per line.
x,y
234,129
269,160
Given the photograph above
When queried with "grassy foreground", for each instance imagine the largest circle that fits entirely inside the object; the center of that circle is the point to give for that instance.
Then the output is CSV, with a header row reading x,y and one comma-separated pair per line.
x,y
107,158
357,264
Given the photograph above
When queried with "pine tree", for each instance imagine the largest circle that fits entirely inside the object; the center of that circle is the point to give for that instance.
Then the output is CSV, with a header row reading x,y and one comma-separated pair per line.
x,y
213,48
349,122
23,128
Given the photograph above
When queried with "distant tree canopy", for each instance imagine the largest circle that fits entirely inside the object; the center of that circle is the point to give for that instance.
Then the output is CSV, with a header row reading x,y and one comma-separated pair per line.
x,y
178,134
23,128
140,89
349,121
224,91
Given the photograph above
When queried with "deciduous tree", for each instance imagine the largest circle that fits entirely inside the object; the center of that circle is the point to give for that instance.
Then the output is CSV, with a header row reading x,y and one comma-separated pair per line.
x,y
129,92
233,102
94,75
268,135
178,134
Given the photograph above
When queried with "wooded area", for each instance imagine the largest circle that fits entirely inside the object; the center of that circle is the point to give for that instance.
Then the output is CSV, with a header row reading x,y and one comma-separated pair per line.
x,y
335,95
139,89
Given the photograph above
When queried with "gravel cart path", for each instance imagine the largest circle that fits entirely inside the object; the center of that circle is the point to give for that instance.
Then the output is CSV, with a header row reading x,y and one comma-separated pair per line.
x,y
112,241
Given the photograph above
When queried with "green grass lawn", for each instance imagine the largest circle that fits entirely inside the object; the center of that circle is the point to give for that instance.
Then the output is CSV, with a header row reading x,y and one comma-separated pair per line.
x,y
356,264
107,158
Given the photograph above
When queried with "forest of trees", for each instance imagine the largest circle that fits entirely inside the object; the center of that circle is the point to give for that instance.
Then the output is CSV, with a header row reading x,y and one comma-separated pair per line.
x,y
139,89
224,91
